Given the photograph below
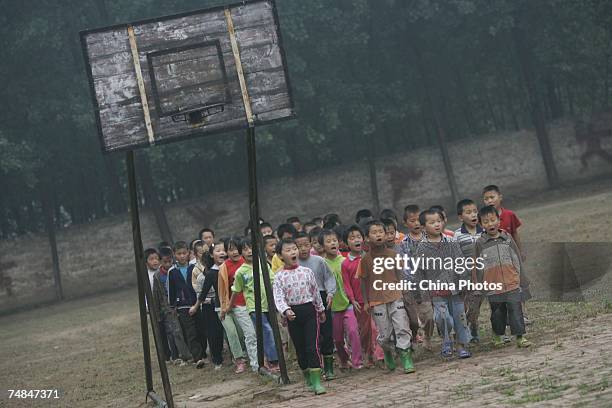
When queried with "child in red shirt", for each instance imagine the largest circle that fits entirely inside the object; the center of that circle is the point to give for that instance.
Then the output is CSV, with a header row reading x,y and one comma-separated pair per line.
x,y
509,222
372,351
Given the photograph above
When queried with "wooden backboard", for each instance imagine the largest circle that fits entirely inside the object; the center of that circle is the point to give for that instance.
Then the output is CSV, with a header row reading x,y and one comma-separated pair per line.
x,y
174,77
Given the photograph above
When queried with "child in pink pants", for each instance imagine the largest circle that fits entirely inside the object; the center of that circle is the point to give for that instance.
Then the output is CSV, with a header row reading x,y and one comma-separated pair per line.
x,y
346,322
343,317
367,330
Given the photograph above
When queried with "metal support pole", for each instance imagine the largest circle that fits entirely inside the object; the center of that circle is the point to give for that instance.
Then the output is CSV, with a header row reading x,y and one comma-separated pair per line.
x,y
144,289
161,357
138,256
157,400
257,249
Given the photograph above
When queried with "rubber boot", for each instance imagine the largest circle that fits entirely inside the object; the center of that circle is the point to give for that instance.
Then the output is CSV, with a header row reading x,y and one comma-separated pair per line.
x,y
315,381
406,357
497,341
389,360
306,373
328,364
522,342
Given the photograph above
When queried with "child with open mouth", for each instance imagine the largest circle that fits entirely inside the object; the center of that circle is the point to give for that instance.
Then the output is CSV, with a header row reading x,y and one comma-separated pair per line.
x,y
297,298
343,316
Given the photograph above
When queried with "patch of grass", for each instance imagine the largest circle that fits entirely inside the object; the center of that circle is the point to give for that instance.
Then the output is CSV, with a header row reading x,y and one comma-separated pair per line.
x,y
540,389
587,388
537,396
507,390
554,317
485,381
463,391
505,371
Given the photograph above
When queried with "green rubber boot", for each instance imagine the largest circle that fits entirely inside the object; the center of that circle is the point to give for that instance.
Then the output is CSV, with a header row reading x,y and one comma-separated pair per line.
x,y
315,381
497,341
328,368
306,373
406,357
389,360
522,342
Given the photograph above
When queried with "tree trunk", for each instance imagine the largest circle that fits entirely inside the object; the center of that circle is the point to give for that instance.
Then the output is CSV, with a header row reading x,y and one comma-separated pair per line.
x,y
510,102
606,99
424,120
32,221
570,99
115,198
466,106
57,209
151,198
490,109
502,111
47,208
434,113
553,101
4,224
294,155
371,158
525,57
19,227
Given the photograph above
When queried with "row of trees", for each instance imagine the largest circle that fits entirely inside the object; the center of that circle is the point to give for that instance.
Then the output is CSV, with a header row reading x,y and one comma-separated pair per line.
x,y
369,77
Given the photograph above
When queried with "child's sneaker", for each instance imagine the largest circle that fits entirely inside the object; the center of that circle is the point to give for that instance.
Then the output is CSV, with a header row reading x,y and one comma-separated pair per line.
x,y
200,363
447,349
522,342
507,339
498,341
526,320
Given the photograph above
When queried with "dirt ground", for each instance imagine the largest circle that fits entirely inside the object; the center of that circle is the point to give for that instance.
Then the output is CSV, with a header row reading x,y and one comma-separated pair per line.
x,y
90,349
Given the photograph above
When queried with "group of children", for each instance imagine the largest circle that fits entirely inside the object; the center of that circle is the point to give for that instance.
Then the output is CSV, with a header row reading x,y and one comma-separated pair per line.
x,y
329,296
